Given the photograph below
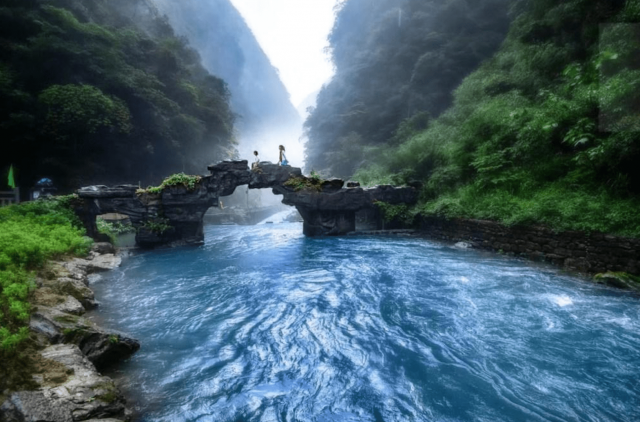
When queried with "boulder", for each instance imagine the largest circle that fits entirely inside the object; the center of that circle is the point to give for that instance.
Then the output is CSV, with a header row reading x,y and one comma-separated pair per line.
x,y
96,263
74,288
82,395
102,347
46,296
71,305
103,248
35,406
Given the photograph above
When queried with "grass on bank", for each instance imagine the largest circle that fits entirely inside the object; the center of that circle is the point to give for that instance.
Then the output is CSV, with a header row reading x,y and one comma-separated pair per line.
x,y
30,234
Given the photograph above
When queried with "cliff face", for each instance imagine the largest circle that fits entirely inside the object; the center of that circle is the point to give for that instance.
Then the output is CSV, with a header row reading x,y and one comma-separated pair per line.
x,y
229,50
396,61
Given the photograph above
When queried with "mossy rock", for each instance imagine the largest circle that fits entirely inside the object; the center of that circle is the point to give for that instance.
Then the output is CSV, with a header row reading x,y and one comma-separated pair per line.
x,y
67,319
75,335
618,279
108,392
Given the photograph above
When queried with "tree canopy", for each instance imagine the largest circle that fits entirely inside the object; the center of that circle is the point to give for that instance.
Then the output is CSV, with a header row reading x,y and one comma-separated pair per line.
x,y
103,91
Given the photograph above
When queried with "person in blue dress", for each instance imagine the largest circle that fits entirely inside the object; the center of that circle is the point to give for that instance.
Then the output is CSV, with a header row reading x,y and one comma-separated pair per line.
x,y
282,161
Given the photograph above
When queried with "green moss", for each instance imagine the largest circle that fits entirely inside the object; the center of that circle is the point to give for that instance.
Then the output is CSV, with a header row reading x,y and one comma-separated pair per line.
x,y
109,395
311,183
67,319
74,335
618,279
179,179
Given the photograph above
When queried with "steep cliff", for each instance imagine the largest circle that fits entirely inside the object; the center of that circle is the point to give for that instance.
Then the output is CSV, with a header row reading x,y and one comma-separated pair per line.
x,y
229,49
396,61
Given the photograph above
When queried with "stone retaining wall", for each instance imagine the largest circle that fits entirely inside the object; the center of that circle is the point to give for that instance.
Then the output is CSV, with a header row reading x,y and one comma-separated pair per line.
x,y
589,253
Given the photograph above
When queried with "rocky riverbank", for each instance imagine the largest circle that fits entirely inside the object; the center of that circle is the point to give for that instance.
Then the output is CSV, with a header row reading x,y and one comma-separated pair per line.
x,y
69,350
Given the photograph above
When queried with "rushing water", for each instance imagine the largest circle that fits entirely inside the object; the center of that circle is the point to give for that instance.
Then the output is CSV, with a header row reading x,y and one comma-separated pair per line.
x,y
263,324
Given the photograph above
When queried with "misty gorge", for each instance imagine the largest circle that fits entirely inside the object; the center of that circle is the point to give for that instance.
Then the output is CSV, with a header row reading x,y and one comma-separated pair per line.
x,y
320,210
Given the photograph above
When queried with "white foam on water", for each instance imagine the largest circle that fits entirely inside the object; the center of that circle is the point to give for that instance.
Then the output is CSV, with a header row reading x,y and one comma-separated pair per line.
x,y
561,300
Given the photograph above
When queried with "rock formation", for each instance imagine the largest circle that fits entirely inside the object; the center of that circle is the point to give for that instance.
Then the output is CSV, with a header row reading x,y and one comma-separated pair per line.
x,y
331,209
80,393
174,215
68,386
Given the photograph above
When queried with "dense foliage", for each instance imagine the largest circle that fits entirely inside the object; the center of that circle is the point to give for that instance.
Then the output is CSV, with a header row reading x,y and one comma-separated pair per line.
x,y
31,233
98,91
396,61
547,131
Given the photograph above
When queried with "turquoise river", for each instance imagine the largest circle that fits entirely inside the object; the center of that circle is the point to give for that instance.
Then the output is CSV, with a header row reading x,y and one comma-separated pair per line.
x,y
263,324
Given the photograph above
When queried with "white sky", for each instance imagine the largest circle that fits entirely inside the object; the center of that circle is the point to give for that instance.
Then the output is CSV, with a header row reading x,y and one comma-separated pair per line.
x,y
293,34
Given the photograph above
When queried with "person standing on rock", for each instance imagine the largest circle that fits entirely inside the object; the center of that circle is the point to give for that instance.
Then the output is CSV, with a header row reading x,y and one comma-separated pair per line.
x,y
256,161
282,160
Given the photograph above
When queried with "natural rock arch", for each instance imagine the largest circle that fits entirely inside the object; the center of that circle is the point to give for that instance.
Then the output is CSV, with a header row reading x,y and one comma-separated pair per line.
x,y
174,216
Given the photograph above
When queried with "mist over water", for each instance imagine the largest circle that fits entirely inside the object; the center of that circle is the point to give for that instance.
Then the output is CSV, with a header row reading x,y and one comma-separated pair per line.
x,y
265,117
263,324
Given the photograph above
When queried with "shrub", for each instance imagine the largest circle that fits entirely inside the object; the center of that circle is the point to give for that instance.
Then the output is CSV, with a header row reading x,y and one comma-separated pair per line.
x,y
31,233
112,230
396,212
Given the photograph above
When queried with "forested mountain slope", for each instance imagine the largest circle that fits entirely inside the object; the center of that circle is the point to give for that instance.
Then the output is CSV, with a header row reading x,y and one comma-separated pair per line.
x,y
103,91
547,131
229,49
396,60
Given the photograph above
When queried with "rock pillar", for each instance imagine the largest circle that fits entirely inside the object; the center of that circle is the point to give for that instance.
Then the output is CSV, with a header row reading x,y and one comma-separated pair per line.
x,y
327,223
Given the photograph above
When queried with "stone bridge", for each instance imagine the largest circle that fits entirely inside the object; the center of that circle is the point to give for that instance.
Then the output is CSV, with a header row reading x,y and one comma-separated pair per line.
x,y
174,216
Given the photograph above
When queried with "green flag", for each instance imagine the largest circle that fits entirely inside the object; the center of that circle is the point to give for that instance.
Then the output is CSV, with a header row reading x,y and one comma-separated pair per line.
x,y
12,182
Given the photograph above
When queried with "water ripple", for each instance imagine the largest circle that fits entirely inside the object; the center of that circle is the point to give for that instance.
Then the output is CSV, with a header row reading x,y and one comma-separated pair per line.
x,y
262,324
